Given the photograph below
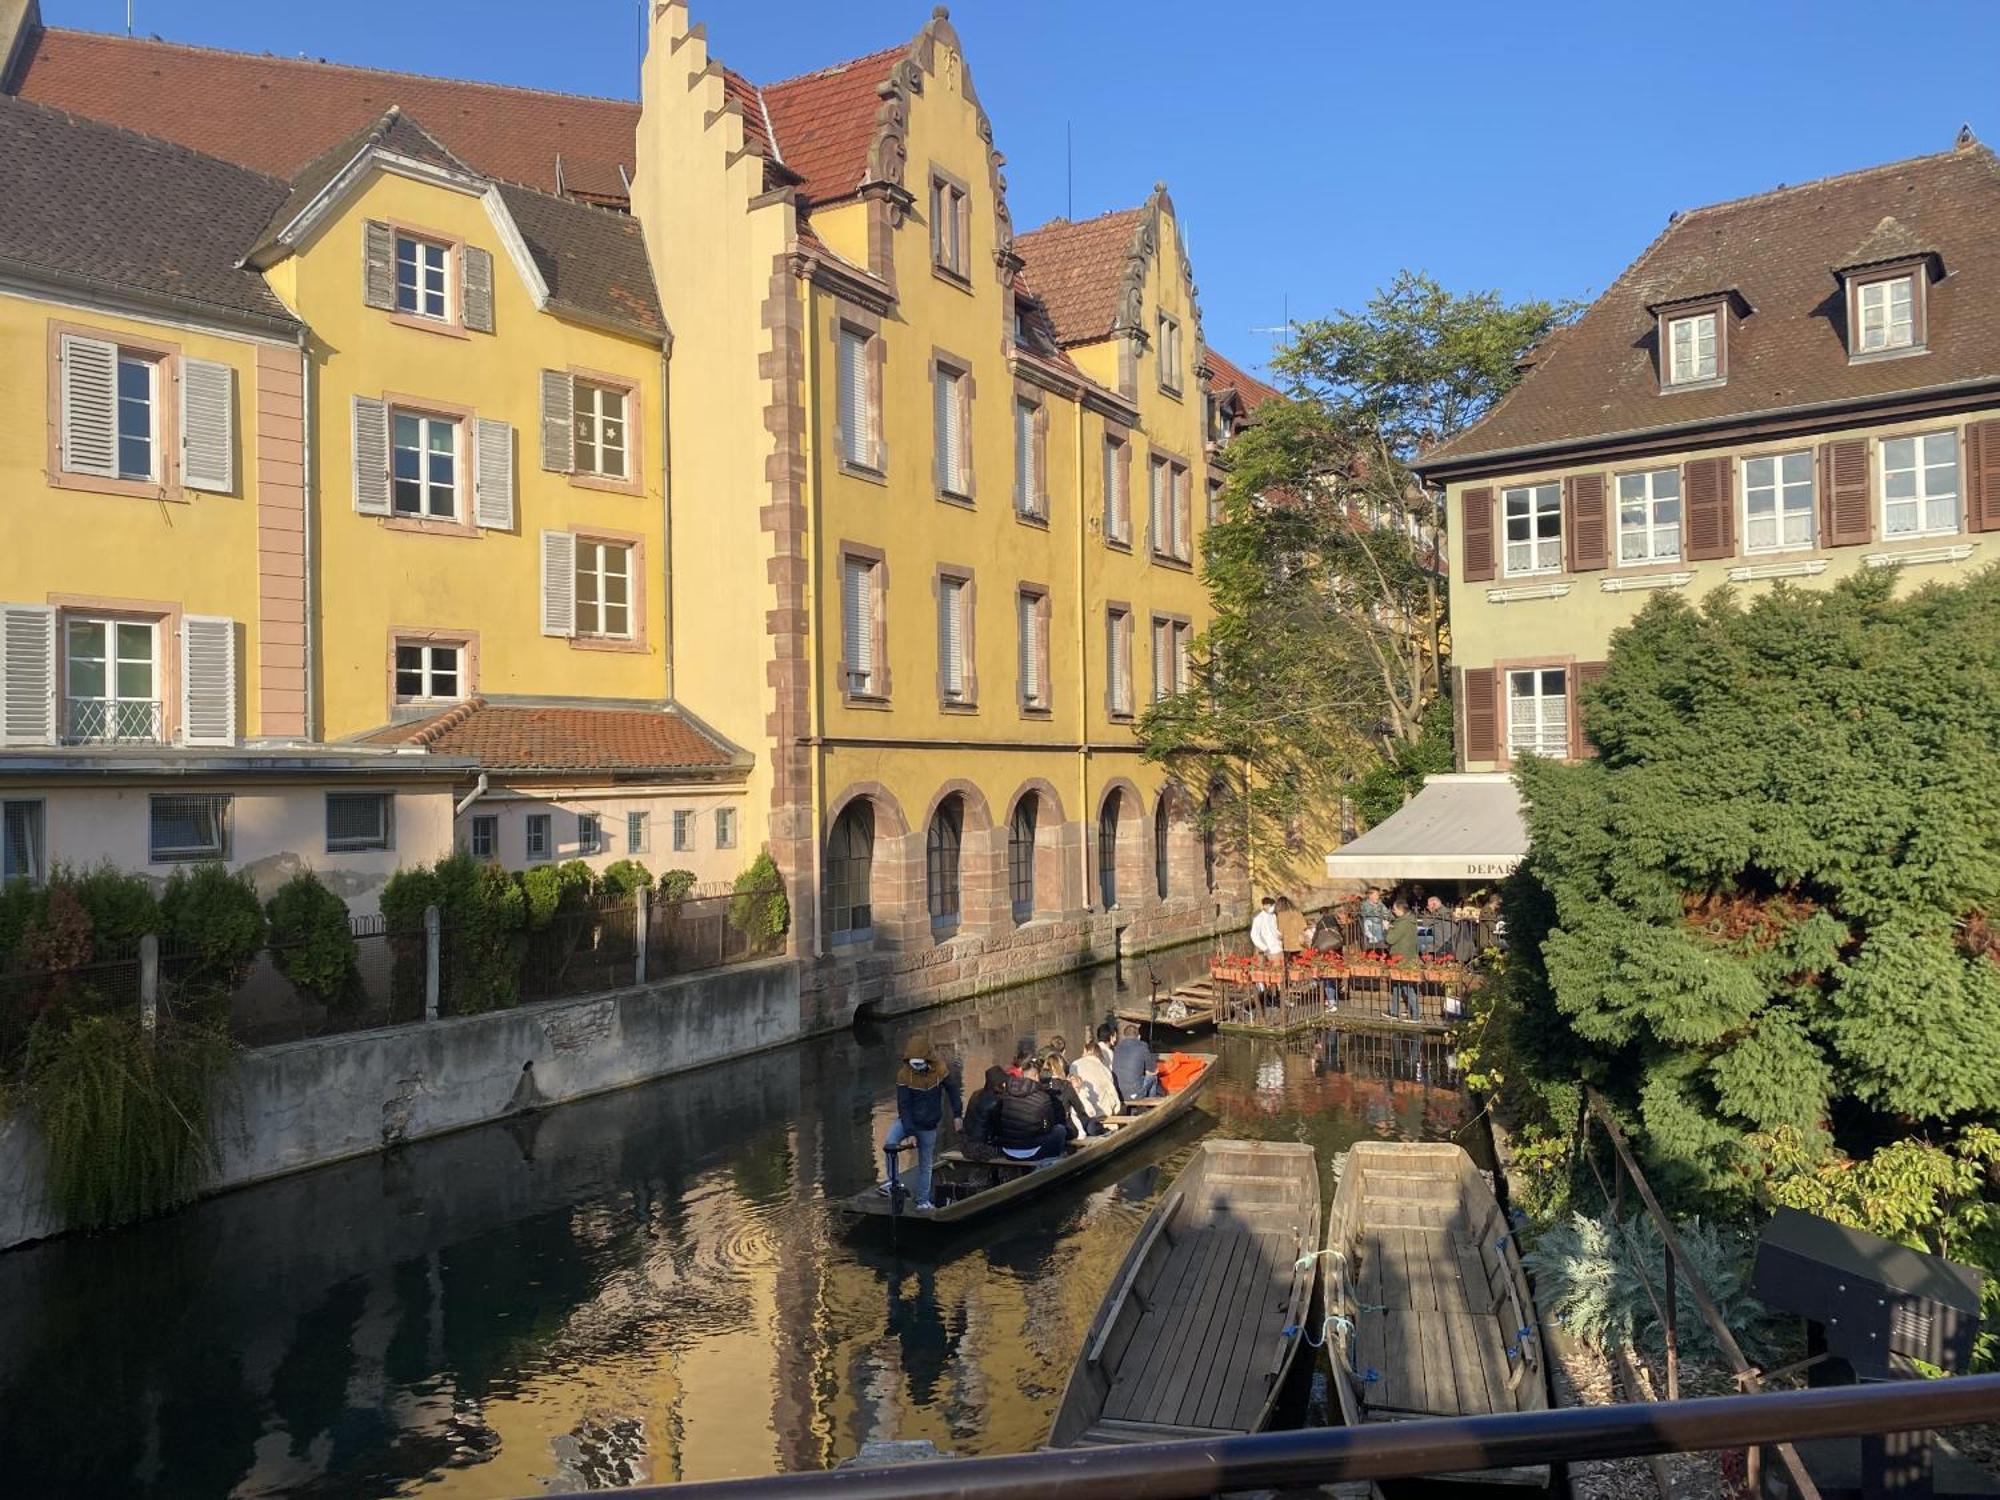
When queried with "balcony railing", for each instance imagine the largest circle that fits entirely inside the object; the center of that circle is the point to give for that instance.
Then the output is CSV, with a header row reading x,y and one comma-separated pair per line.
x,y
113,721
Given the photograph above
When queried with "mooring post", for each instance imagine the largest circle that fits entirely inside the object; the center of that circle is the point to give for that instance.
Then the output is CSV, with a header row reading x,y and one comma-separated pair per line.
x,y
641,903
149,983
433,940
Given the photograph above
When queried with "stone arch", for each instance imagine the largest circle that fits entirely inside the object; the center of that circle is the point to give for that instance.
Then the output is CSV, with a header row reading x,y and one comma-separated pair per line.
x,y
1051,864
1119,863
982,859
1176,848
876,819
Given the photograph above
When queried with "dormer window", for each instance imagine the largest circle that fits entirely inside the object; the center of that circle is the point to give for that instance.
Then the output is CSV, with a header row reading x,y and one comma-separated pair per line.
x,y
1691,348
1885,314
1694,339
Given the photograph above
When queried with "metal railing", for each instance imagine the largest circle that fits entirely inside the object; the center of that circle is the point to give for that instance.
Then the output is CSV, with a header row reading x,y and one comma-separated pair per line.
x,y
119,721
1395,1450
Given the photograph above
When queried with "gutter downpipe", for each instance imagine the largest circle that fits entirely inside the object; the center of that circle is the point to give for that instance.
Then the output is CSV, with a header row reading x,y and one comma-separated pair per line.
x,y
307,499
816,736
478,791
1083,813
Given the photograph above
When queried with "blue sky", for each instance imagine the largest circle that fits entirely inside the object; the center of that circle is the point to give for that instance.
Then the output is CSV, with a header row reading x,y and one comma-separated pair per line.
x,y
1313,149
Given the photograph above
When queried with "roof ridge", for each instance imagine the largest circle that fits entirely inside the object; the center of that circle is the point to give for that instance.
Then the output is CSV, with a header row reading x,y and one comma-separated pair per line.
x,y
1063,223
831,68
15,101
320,62
447,721
1830,180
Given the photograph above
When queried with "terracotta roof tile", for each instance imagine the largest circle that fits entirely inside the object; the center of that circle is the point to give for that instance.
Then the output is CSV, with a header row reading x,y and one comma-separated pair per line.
x,y
825,122
1076,268
1780,250
559,737
1225,376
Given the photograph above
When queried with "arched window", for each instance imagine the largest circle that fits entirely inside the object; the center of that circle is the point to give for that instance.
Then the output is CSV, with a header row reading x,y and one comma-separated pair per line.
x,y
1107,850
1210,811
1162,827
850,867
1021,857
941,864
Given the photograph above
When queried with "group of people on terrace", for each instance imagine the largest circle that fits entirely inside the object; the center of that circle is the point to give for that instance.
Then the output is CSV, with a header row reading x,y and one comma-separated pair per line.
x,y
1406,927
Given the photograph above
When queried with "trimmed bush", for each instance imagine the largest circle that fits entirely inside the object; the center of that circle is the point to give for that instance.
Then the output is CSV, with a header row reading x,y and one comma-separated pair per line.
x,y
122,907
19,905
623,877
675,884
758,908
549,889
312,942
213,919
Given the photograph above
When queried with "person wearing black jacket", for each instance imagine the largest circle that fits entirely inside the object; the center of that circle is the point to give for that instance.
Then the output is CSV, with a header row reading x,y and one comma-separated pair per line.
x,y
1031,1123
979,1137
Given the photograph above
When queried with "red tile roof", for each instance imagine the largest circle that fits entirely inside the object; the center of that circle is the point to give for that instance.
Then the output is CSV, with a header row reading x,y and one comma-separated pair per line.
x,y
275,114
1225,376
824,121
1075,269
551,737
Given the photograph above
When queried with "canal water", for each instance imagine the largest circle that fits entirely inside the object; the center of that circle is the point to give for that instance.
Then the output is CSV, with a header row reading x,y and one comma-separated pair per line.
x,y
654,1285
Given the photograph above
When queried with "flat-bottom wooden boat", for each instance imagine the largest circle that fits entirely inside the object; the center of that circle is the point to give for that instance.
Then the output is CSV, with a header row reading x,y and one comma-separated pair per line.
x,y
1190,1009
963,1189
1191,1340
1430,1310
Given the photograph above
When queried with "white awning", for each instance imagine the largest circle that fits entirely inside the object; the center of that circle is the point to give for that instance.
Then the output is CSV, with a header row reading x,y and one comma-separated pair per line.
x,y
1457,828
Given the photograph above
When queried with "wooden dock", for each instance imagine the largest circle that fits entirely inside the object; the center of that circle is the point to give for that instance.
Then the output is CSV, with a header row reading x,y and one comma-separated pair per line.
x,y
1299,1005
1197,1002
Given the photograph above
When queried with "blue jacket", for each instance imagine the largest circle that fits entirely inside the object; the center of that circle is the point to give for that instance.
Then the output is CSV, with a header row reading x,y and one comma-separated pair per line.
x,y
1132,1063
920,1103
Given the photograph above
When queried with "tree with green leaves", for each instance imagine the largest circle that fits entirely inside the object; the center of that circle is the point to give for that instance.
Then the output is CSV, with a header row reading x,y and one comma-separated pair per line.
x,y
1323,662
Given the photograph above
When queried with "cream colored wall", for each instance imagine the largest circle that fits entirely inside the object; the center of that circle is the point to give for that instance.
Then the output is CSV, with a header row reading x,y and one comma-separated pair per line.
x,y
197,553
374,577
514,806
1578,625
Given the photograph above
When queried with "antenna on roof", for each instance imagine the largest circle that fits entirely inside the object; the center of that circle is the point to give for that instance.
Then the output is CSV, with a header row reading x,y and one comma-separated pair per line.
x,y
128,17
1069,173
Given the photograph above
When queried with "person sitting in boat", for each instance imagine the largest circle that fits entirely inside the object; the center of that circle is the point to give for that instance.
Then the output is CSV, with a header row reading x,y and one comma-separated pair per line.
x,y
1090,1074
1031,1123
1134,1067
924,1087
979,1132
1055,1078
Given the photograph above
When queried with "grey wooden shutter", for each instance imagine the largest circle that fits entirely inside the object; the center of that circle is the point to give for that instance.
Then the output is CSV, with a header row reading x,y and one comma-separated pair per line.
x,y
476,294
208,426
378,265
27,674
208,680
1847,512
1028,607
1481,711
1156,482
558,422
493,474
1588,525
951,636
89,406
371,457
1982,476
1475,511
558,583
1709,500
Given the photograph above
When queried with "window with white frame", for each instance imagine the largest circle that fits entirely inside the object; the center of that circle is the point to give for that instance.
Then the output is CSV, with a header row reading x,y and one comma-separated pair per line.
x,y
954,462
683,831
1027,458
22,850
589,834
536,832
859,623
1170,659
1920,485
359,820
429,670
185,828
1538,712
111,677
138,417
1649,516
1118,652
1887,311
725,828
1117,499
603,589
601,446
423,466
1691,348
1170,352
635,833
1032,640
422,272
1533,518
1778,502
954,638
857,399
485,836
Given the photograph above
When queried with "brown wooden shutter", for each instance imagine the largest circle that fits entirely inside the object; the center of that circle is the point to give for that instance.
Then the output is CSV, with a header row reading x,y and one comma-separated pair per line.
x,y
476,294
378,268
1476,522
1711,518
1587,526
1585,674
1481,712
1847,512
1982,476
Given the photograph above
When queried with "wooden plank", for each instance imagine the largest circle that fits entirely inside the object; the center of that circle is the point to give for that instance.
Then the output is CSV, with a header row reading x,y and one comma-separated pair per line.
x,y
1137,1361
1402,1383
1472,1275
1491,1348
1234,1345
1267,1355
1166,1333
1188,1353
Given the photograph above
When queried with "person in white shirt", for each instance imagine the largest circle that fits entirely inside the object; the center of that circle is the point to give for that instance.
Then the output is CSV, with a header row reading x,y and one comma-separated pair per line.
x,y
1265,937
1091,1076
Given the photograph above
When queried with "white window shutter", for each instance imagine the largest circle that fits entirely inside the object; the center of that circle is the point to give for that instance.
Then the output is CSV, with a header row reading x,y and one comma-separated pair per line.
x,y
951,635
558,421
89,406
476,288
558,583
208,680
208,426
378,265
27,674
857,619
1155,508
371,457
941,396
857,443
493,474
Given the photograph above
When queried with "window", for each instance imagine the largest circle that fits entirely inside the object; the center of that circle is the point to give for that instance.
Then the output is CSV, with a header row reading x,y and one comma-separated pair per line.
x,y
683,831
420,276
941,847
1920,485
857,400
21,846
359,820
954,639
138,405
1691,349
425,670
1533,515
1778,502
485,836
1167,508
850,868
1649,516
589,834
1118,653
1538,712
1021,857
1117,500
1107,850
951,223
601,448
1170,353
1179,515
112,677
859,621
423,466
1887,314
1033,645
1170,659
954,462
725,828
1214,501
635,833
1163,827
1028,498
538,835
603,589
189,828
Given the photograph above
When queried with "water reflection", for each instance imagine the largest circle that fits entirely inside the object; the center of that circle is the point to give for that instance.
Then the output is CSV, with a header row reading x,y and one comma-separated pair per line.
x,y
645,1287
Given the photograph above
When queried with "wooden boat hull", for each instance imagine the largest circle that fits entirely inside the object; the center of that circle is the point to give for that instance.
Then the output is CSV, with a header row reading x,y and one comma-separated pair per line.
x,y
983,1186
1192,1339
1429,1308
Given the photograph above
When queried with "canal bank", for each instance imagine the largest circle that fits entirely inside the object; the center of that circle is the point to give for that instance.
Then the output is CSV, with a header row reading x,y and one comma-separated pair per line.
x,y
653,1284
